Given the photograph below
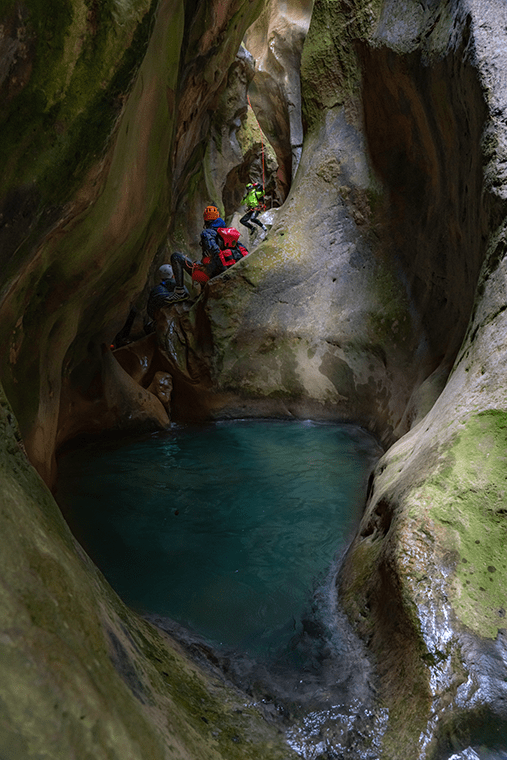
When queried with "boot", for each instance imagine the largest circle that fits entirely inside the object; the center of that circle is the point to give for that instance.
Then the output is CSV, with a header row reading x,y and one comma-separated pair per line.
x,y
178,294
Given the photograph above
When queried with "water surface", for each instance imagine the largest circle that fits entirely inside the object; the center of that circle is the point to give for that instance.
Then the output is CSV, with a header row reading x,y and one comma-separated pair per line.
x,y
226,528
230,535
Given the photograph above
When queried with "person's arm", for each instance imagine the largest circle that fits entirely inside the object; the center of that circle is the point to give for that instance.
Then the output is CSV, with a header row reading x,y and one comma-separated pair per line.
x,y
209,244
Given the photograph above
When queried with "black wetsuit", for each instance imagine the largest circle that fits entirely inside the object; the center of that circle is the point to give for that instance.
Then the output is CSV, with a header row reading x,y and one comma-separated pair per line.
x,y
158,295
251,216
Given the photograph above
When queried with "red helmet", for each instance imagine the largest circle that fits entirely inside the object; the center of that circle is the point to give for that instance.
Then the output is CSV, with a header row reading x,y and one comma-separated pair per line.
x,y
211,213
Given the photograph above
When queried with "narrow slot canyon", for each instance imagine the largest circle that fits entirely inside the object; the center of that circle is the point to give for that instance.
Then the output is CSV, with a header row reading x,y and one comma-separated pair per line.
x,y
258,513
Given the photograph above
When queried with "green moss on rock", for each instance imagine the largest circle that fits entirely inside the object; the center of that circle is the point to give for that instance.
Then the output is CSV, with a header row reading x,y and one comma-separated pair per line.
x,y
330,70
83,65
468,500
250,135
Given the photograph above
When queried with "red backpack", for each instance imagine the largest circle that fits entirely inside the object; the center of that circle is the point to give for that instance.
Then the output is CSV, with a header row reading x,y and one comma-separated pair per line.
x,y
230,250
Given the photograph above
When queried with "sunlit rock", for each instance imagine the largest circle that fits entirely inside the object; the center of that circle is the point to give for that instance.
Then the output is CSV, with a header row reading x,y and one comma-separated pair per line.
x,y
276,40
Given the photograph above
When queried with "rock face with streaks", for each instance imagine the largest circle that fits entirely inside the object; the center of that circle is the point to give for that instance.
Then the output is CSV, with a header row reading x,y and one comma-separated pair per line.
x,y
276,41
378,297
103,132
424,578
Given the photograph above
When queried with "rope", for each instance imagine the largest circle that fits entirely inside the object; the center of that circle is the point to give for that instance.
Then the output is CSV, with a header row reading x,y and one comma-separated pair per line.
x,y
262,153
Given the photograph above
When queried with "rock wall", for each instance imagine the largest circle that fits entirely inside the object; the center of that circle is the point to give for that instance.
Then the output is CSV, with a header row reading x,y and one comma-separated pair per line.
x,y
276,40
103,125
323,321
429,551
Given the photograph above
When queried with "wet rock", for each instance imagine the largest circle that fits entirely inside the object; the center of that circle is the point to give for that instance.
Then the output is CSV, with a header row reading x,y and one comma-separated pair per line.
x,y
417,580
161,386
129,403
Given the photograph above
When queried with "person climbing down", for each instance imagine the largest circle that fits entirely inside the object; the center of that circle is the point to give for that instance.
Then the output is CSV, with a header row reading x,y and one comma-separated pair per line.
x,y
209,240
159,294
210,264
157,298
252,201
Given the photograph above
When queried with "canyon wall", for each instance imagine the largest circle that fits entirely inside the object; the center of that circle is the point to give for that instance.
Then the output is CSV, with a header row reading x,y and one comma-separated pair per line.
x,y
378,297
430,546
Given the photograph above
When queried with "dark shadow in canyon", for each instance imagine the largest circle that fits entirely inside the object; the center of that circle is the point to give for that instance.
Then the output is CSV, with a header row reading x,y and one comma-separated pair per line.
x,y
424,122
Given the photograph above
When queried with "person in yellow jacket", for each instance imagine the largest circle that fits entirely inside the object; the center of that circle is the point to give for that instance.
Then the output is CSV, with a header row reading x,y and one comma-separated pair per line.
x,y
252,201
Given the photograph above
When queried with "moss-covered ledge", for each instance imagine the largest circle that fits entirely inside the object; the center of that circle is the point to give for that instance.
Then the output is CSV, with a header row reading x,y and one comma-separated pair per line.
x,y
83,676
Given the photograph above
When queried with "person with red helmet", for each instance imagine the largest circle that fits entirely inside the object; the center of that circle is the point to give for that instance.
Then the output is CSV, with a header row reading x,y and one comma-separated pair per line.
x,y
210,264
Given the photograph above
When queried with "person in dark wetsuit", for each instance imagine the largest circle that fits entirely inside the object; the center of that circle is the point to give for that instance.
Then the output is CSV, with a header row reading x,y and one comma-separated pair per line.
x,y
210,264
157,299
160,293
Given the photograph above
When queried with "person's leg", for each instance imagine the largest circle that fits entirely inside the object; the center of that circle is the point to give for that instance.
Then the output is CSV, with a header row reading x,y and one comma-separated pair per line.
x,y
123,336
180,264
245,220
256,221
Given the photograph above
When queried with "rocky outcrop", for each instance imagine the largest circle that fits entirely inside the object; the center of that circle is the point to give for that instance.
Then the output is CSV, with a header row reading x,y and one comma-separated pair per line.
x,y
321,322
429,552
